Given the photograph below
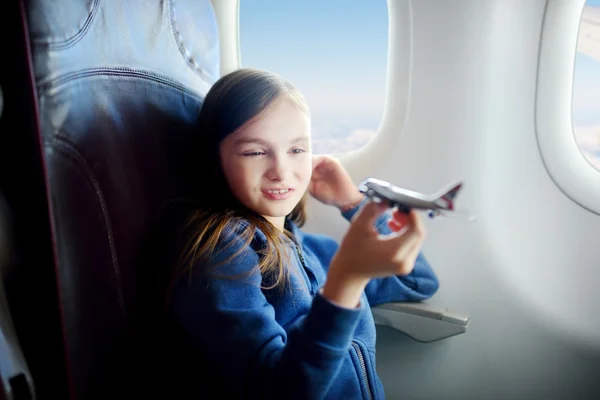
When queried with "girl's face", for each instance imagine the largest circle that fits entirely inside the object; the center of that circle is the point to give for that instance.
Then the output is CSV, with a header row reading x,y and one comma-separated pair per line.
x,y
268,163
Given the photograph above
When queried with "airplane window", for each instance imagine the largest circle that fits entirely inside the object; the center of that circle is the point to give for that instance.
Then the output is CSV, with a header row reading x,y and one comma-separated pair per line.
x,y
334,51
586,84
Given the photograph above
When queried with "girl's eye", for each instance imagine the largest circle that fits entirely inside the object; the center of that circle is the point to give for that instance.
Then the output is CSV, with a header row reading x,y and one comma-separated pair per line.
x,y
298,151
254,153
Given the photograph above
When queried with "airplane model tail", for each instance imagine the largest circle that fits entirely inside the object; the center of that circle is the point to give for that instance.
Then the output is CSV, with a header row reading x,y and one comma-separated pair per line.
x,y
446,200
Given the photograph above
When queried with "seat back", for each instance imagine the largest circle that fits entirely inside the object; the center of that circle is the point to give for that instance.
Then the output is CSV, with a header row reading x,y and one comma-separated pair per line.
x,y
28,273
119,85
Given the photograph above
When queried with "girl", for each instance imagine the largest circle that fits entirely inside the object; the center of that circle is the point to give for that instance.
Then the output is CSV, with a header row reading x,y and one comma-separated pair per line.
x,y
275,312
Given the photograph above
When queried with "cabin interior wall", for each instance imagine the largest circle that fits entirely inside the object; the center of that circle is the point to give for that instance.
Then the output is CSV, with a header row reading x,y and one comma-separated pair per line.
x,y
525,270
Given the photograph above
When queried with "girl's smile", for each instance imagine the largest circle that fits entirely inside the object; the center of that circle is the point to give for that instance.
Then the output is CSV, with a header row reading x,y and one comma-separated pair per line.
x,y
277,194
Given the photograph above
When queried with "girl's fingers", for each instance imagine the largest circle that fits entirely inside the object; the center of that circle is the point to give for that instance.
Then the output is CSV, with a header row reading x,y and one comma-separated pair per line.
x,y
417,222
405,254
366,216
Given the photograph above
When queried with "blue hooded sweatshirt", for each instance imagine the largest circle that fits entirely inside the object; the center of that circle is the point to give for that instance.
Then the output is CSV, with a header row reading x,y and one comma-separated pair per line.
x,y
295,344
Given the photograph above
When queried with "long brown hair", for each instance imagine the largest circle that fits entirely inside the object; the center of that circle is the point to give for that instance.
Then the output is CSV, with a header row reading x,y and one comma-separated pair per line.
x,y
232,102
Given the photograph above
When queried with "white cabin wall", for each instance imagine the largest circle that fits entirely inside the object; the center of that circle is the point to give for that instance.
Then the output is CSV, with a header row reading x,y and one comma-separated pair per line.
x,y
526,270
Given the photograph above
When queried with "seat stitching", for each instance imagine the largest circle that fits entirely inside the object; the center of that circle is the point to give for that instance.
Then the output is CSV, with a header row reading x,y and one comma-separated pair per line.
x,y
63,145
65,44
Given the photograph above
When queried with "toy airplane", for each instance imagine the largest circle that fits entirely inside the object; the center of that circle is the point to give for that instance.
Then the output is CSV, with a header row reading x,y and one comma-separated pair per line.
x,y
440,203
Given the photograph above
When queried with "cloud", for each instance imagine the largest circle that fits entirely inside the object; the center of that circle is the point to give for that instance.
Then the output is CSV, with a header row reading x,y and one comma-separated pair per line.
x,y
586,98
362,135
593,159
588,140
353,140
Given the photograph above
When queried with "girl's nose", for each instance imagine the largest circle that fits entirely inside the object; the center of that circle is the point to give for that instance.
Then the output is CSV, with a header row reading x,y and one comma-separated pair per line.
x,y
278,170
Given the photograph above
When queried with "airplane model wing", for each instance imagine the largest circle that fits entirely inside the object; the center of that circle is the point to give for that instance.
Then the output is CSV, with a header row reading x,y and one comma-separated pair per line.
x,y
440,203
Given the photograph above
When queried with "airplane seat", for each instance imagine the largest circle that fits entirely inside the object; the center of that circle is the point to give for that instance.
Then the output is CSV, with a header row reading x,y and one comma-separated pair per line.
x,y
118,86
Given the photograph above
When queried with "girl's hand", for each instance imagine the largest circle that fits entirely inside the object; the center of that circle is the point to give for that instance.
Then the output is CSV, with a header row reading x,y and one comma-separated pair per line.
x,y
364,254
331,184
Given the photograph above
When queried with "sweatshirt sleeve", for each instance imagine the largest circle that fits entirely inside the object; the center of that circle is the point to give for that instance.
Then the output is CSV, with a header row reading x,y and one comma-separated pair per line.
x,y
231,322
420,284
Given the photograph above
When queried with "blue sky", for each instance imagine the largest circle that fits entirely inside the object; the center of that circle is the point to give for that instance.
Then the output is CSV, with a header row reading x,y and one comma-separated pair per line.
x,y
586,91
586,87
586,101
334,51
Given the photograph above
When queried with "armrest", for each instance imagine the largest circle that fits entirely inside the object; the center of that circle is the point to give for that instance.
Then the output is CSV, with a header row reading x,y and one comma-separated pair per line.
x,y
14,375
421,321
15,379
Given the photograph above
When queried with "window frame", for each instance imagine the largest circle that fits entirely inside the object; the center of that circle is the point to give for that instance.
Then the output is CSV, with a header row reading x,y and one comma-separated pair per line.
x,y
372,156
564,161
